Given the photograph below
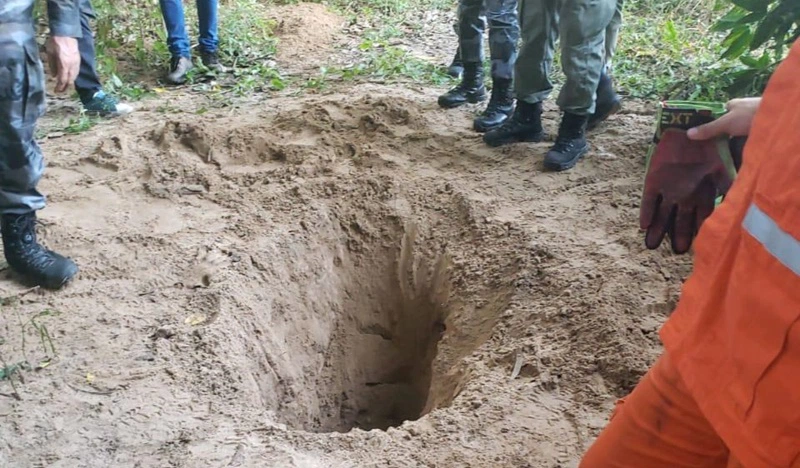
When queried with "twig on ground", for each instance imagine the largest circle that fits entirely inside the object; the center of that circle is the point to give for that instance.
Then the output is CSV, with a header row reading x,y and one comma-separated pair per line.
x,y
91,392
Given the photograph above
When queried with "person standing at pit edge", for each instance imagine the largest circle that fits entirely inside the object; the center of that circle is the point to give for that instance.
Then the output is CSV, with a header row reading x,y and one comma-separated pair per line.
x,y
501,16
456,67
22,102
90,91
726,390
582,26
178,40
607,101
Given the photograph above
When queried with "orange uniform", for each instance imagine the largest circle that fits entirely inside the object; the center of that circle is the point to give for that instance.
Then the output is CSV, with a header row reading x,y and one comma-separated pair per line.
x,y
726,393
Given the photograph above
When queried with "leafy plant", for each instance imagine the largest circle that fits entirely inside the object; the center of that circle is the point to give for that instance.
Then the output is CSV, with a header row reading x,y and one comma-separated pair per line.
x,y
759,34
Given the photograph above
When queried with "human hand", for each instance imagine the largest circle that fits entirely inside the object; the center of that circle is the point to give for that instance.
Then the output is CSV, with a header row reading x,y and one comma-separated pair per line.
x,y
735,123
64,60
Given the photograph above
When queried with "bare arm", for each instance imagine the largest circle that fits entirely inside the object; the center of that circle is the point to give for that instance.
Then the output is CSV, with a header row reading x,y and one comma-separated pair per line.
x,y
62,48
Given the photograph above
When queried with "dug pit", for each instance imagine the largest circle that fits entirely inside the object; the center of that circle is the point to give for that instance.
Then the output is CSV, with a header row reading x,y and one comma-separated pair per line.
x,y
350,286
377,370
258,284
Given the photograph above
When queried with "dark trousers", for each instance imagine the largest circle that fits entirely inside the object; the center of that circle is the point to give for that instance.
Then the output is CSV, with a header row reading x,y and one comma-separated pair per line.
x,y
88,82
501,16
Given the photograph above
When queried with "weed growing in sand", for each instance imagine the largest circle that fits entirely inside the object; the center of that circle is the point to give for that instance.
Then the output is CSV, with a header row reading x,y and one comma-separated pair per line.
x,y
42,333
80,124
34,325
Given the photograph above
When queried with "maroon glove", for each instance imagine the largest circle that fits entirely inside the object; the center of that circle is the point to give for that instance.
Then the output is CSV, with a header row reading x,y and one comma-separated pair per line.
x,y
684,178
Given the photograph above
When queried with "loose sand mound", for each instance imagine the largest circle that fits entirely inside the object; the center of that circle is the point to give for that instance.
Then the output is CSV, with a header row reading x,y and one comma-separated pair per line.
x,y
334,282
306,33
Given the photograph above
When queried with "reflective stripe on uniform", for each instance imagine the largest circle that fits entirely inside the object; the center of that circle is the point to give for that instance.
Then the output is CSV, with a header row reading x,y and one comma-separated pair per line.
x,y
782,245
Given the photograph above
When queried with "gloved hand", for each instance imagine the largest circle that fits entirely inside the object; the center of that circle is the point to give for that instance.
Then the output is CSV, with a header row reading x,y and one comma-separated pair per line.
x,y
684,178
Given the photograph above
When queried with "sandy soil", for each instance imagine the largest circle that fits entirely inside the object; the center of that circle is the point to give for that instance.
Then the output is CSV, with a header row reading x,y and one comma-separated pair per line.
x,y
307,34
347,280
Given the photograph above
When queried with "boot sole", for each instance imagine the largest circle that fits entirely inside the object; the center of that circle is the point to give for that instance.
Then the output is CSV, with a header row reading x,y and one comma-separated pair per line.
x,y
559,167
485,128
470,100
615,108
536,138
32,282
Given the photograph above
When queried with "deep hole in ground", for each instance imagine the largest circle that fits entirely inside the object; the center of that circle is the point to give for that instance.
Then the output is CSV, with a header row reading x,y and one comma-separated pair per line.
x,y
344,309
378,370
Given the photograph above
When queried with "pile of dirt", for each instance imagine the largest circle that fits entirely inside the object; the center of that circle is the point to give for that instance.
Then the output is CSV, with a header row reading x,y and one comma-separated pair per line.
x,y
307,33
342,281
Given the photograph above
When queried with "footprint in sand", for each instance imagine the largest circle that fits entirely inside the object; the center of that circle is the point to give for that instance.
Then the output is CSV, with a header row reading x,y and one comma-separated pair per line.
x,y
207,267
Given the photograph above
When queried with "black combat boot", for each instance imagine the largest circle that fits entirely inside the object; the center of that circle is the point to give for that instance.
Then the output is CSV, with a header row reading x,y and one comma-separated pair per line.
x,y
525,124
608,102
471,88
26,257
570,144
499,108
456,68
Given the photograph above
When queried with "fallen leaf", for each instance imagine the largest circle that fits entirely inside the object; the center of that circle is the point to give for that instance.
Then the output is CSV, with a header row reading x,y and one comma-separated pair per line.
x,y
517,366
89,378
195,319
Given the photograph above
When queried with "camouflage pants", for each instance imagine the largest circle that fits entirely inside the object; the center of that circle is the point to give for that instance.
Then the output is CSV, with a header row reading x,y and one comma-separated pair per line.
x,y
581,26
501,16
22,102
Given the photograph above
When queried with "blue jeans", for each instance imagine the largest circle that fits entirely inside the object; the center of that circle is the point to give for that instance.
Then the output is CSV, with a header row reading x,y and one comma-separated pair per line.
x,y
177,39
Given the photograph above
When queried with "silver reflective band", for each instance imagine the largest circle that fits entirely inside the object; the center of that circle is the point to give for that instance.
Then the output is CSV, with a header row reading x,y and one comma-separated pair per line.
x,y
782,246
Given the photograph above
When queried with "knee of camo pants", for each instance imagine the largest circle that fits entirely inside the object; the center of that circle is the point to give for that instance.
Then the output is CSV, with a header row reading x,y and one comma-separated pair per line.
x,y
538,21
503,36
583,31
470,30
481,16
22,102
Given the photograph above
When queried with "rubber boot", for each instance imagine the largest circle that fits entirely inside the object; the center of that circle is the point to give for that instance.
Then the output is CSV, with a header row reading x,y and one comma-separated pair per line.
x,y
570,144
456,68
608,102
525,124
500,106
27,258
470,90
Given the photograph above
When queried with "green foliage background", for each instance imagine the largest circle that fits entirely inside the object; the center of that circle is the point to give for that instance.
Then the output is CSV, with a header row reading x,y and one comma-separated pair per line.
x,y
759,34
676,49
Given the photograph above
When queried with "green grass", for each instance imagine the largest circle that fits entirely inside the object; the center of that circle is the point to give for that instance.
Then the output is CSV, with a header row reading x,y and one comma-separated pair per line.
x,y
667,50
